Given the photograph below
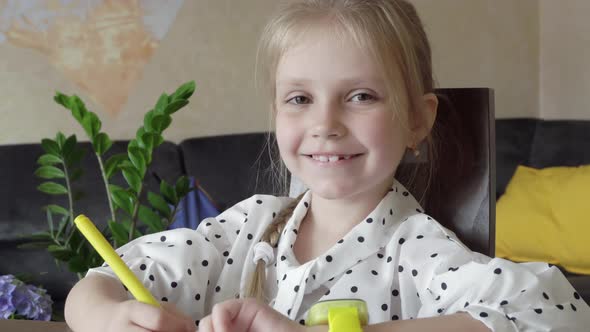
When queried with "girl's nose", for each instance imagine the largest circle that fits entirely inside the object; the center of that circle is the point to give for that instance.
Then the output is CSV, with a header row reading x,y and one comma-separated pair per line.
x,y
327,123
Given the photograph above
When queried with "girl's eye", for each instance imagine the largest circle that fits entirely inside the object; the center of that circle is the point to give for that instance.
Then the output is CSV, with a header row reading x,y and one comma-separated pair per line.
x,y
362,97
297,100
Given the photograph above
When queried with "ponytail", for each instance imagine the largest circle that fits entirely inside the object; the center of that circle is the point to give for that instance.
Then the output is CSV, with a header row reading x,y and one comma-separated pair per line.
x,y
270,236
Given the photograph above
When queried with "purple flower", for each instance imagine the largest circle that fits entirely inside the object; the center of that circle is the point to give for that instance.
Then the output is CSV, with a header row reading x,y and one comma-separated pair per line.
x,y
7,287
24,300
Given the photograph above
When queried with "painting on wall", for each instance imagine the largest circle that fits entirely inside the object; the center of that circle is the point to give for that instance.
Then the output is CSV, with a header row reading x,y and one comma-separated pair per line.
x,y
101,46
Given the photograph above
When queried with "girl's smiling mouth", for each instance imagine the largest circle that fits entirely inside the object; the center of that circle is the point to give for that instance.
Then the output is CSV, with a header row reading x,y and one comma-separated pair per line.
x,y
332,158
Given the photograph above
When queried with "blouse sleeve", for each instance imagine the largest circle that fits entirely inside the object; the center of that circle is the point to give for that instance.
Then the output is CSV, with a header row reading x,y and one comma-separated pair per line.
x,y
183,266
504,295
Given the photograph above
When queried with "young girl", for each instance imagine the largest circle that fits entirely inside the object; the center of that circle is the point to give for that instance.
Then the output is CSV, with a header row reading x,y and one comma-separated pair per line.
x,y
352,91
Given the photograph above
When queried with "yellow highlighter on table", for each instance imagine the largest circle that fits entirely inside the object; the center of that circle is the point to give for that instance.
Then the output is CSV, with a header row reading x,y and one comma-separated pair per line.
x,y
109,255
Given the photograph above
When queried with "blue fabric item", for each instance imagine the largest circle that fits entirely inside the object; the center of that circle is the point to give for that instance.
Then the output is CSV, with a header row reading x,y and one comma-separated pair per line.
x,y
194,207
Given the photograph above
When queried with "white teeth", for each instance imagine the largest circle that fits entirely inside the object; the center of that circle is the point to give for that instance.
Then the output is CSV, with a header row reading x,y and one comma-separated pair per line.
x,y
325,159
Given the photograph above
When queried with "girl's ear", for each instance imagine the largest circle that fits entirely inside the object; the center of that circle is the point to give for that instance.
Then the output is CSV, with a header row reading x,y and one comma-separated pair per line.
x,y
423,121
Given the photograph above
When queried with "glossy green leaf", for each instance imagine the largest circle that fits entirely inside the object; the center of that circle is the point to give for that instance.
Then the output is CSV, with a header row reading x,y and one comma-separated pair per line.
x,y
49,159
150,140
137,156
185,91
77,264
119,233
36,245
133,178
182,186
127,226
60,252
169,193
147,121
123,200
60,138
56,209
160,122
175,106
49,172
75,240
50,147
133,144
52,188
49,217
151,219
139,138
68,146
101,143
112,164
61,228
78,108
91,124
41,236
161,104
61,99
159,204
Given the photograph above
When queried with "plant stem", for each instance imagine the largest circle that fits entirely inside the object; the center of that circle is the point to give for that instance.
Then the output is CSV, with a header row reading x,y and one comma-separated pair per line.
x,y
70,199
106,184
172,216
134,216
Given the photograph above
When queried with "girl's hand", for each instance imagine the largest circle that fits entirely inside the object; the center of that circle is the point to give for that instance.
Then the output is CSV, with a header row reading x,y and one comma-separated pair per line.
x,y
247,315
135,316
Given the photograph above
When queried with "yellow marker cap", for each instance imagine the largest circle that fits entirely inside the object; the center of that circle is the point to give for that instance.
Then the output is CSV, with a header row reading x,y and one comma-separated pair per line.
x,y
111,257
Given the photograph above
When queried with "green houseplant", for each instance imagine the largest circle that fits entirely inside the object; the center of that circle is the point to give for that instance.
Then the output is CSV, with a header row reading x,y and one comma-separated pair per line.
x,y
130,216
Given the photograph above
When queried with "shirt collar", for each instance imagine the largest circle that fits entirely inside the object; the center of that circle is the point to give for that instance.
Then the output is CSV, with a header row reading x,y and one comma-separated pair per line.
x,y
366,238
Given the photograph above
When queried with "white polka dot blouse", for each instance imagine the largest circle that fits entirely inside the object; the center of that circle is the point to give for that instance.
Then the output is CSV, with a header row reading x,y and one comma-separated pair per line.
x,y
400,261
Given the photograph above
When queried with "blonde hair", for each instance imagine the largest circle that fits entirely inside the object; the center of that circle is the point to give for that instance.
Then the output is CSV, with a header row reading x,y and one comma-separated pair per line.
x,y
393,35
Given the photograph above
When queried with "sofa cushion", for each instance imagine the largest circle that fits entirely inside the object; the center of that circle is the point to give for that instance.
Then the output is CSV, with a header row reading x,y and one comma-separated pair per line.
x,y
514,138
560,143
231,168
543,216
539,143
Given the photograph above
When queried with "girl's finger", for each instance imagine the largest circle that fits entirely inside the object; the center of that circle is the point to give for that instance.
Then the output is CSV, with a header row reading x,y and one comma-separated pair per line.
x,y
136,328
156,319
206,325
172,309
223,314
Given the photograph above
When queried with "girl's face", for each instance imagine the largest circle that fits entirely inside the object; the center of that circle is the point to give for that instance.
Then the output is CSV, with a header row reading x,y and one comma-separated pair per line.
x,y
334,129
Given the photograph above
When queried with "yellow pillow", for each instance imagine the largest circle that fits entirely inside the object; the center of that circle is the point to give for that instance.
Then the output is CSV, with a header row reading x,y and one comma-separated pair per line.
x,y
544,215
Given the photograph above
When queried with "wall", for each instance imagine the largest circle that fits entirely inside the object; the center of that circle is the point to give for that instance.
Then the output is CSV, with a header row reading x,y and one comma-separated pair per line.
x,y
487,43
476,43
565,59
211,41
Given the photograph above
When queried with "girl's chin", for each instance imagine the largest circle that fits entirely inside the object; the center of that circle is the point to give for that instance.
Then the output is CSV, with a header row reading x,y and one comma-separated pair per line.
x,y
332,191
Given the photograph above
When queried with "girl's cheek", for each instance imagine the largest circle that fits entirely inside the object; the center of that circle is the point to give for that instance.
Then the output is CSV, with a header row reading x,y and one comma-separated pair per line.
x,y
284,136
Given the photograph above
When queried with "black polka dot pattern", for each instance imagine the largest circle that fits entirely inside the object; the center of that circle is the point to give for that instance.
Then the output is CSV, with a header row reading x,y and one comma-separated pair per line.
x,y
411,261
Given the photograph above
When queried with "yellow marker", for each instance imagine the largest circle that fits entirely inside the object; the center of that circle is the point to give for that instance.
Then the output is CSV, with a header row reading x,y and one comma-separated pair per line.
x,y
109,255
341,315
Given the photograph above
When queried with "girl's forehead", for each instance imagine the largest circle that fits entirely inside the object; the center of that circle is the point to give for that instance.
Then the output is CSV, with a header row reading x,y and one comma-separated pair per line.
x,y
323,56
